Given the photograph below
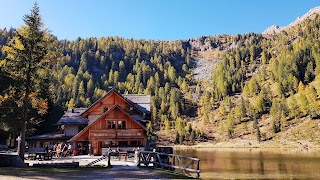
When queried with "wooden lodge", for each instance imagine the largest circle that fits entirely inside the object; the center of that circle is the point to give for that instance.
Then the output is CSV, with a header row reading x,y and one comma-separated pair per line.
x,y
115,120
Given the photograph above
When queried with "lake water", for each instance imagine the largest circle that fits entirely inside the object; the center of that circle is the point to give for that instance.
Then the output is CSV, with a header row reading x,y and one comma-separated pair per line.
x,y
229,163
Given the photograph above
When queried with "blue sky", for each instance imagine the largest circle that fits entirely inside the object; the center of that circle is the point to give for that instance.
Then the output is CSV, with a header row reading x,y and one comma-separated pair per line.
x,y
150,19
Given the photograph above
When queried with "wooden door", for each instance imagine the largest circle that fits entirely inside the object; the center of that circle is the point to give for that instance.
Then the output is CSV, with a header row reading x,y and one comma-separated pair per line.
x,y
99,148
95,148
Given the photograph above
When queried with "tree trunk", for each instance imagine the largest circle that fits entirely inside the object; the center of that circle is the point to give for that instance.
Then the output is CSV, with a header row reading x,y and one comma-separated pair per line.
x,y
25,112
27,85
23,141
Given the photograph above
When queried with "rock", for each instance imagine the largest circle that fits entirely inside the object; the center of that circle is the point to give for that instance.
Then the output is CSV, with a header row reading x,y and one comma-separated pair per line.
x,y
271,29
9,160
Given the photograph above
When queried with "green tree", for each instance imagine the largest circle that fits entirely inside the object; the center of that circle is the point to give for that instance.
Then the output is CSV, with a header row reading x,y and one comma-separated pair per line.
x,y
71,104
230,125
122,71
240,110
167,125
304,104
90,88
314,106
293,107
28,64
192,137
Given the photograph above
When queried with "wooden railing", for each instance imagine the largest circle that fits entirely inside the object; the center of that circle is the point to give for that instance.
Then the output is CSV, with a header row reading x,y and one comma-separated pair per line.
x,y
170,162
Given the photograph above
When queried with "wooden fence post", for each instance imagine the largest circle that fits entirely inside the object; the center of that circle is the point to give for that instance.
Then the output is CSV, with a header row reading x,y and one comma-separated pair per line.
x,y
139,158
198,168
109,159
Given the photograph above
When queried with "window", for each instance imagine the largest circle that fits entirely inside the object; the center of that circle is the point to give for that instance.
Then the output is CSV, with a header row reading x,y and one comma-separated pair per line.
x,y
44,144
121,124
122,143
111,124
105,109
135,143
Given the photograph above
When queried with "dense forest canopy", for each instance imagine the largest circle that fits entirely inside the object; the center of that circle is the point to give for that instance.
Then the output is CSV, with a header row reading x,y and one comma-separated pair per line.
x,y
261,85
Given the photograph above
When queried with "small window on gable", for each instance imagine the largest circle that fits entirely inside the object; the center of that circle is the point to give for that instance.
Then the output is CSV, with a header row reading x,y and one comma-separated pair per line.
x,y
131,108
111,124
105,109
121,124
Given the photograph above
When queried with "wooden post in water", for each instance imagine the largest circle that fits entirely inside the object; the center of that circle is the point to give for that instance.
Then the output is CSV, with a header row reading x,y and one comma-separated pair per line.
x,y
198,168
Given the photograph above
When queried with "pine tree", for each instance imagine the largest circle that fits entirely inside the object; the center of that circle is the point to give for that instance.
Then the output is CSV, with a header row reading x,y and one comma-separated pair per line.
x,y
293,107
192,137
304,104
90,88
28,64
167,125
71,104
314,106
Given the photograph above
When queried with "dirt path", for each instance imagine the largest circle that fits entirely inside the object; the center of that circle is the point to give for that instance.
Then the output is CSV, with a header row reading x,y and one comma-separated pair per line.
x,y
120,170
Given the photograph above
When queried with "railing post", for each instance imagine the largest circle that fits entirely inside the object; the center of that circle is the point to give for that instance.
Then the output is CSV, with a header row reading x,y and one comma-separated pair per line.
x,y
109,159
139,157
198,169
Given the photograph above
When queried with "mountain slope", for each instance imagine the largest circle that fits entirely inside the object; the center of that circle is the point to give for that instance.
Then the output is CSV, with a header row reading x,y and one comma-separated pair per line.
x,y
264,90
259,88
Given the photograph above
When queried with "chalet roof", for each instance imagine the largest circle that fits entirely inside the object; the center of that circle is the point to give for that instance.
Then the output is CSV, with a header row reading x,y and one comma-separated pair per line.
x,y
73,116
50,136
139,119
136,118
141,101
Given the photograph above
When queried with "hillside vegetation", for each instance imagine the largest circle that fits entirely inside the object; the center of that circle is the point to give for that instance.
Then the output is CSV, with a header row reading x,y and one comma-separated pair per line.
x,y
262,87
266,89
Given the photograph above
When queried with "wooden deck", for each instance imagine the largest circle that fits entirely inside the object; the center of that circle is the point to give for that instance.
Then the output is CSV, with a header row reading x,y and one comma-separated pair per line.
x,y
187,165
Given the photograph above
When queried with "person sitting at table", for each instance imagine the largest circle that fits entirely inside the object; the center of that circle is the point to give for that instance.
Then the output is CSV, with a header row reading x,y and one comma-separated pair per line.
x,y
64,150
51,147
118,150
58,150
46,149
69,149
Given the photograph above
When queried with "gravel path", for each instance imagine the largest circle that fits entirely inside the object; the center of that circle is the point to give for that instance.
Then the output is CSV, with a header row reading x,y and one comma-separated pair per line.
x,y
120,170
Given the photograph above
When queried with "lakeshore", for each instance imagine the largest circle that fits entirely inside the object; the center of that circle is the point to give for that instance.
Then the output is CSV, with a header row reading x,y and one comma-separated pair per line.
x,y
239,144
255,163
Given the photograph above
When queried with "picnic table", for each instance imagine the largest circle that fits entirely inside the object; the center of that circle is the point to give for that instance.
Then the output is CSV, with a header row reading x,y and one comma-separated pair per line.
x,y
123,153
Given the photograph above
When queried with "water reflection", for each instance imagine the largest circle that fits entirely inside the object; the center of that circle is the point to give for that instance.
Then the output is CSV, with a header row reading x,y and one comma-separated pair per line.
x,y
261,160
255,163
